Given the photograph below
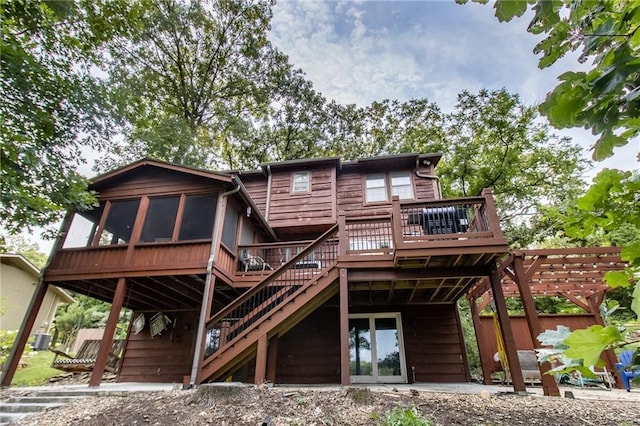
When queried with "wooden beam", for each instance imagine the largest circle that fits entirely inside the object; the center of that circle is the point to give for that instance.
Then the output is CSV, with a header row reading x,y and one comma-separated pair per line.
x,y
533,266
261,360
109,331
417,274
549,385
22,338
272,359
576,301
507,333
345,377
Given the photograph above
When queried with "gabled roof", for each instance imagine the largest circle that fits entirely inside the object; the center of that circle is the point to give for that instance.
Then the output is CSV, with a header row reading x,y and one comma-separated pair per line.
x,y
147,162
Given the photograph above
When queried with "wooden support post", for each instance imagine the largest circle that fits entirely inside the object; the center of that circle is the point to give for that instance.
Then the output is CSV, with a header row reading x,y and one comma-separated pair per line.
x,y
549,385
109,331
465,360
261,360
272,359
23,334
609,355
507,333
345,376
492,214
396,222
485,364
343,238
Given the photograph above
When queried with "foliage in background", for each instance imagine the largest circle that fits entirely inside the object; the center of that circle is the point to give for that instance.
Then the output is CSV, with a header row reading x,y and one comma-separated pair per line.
x,y
7,338
86,312
470,340
17,244
51,107
606,100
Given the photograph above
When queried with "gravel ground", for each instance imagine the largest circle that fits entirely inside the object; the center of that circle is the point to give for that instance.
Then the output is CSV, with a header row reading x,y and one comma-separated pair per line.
x,y
345,406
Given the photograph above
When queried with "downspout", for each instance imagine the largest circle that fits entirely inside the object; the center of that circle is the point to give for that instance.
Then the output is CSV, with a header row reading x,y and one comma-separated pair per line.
x,y
425,176
267,207
207,288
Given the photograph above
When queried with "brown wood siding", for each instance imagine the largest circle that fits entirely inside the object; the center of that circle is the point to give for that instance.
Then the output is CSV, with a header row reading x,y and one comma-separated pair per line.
x,y
310,352
351,197
152,182
257,188
287,209
162,359
431,341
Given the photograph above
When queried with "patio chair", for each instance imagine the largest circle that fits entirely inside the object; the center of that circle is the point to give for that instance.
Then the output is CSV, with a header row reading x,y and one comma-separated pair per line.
x,y
602,376
85,359
624,368
253,263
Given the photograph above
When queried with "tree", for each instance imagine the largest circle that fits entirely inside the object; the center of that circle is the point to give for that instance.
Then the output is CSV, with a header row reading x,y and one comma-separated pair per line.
x,y
190,78
18,245
492,140
606,98
52,106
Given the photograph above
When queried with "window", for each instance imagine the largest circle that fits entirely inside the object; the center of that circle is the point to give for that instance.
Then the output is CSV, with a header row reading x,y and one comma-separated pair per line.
x,y
160,220
197,217
301,182
401,185
376,188
379,186
119,223
83,228
230,228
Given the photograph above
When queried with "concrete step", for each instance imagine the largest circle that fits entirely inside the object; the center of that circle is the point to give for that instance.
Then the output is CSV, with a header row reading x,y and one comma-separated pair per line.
x,y
44,398
6,418
20,407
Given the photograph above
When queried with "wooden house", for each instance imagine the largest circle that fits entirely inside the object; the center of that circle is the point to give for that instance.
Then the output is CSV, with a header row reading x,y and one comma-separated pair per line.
x,y
305,271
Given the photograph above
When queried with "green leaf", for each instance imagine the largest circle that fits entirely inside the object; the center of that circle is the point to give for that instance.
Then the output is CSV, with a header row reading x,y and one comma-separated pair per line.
x,y
603,147
588,344
617,279
635,303
506,10
555,338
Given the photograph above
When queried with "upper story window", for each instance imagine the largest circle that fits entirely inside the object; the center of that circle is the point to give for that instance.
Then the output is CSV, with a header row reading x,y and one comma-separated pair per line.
x,y
381,186
160,220
301,182
401,185
376,188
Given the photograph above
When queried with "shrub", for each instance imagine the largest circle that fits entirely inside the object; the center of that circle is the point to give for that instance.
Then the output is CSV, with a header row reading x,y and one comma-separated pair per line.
x,y
404,416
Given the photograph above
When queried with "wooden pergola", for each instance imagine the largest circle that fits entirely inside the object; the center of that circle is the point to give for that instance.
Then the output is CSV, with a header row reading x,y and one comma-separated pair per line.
x,y
574,273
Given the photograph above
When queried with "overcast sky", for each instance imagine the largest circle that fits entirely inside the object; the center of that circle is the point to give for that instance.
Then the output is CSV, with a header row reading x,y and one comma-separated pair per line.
x,y
361,51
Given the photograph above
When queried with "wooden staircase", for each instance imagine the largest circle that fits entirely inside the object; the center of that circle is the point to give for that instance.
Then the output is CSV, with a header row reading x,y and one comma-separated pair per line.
x,y
270,308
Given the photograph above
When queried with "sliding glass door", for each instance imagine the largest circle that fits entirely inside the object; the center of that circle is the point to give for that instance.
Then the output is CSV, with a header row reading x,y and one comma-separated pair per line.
x,y
376,349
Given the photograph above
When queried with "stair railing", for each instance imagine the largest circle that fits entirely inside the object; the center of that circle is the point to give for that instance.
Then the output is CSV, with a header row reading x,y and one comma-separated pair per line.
x,y
272,292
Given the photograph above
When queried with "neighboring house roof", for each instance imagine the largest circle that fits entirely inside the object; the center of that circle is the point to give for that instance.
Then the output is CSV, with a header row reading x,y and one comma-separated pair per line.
x,y
21,262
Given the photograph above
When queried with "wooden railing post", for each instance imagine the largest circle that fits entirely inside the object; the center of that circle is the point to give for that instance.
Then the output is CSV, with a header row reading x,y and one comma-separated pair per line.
x,y
343,237
396,222
492,213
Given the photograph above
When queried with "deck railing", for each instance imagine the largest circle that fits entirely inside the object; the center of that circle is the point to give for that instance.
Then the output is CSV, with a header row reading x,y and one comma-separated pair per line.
x,y
451,219
272,292
369,235
267,257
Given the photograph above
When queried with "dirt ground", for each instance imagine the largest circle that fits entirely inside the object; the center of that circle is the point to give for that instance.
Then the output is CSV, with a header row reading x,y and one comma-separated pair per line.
x,y
343,406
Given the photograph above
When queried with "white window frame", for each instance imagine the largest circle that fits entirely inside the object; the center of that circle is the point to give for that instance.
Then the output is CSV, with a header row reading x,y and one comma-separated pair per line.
x,y
409,185
368,181
306,181
389,187
375,377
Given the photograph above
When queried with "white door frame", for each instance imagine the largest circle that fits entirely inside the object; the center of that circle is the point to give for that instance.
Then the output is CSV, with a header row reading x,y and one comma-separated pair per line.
x,y
374,377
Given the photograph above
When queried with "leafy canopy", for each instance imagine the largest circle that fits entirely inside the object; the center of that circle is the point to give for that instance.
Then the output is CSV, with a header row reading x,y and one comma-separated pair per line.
x,y
605,99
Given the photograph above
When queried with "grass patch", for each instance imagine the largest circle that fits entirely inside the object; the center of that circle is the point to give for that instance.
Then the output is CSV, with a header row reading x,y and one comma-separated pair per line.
x,y
403,416
37,371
